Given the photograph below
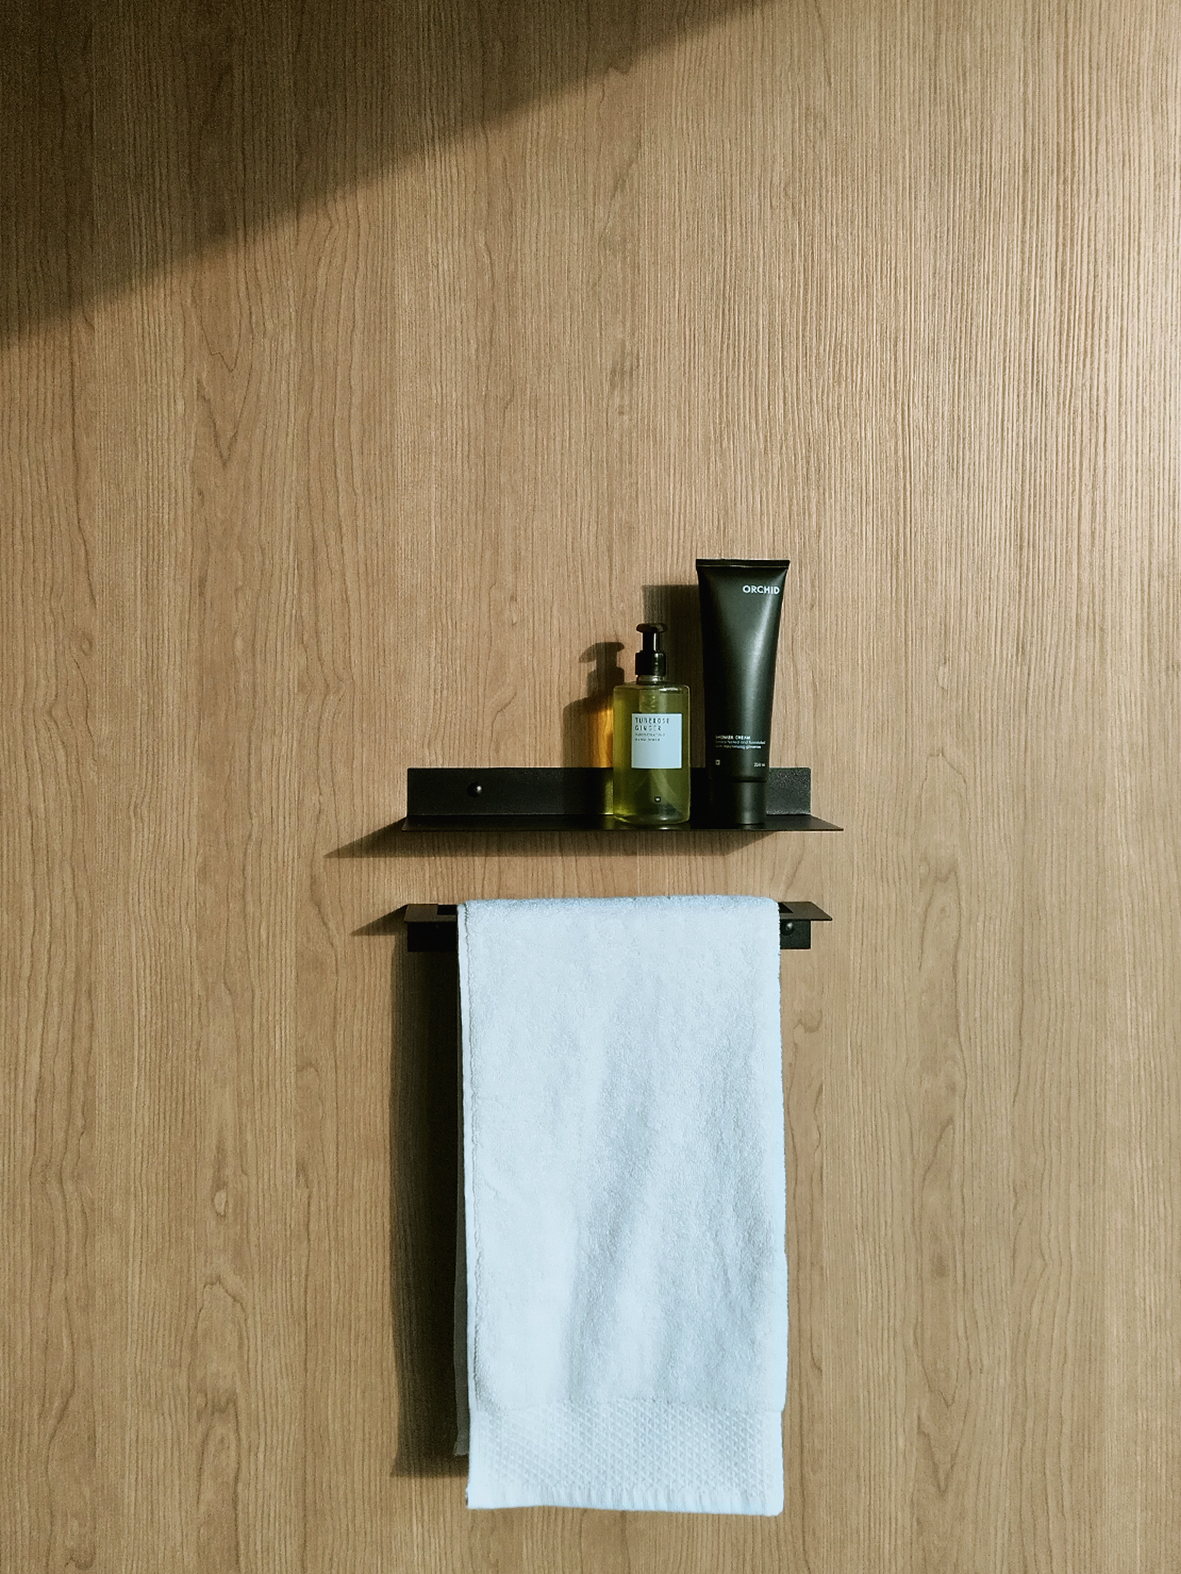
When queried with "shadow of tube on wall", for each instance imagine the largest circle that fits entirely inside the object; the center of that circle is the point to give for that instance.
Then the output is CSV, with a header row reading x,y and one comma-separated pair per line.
x,y
424,1169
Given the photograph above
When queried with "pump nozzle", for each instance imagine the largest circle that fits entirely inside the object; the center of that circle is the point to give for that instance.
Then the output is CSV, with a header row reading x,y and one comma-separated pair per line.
x,y
651,662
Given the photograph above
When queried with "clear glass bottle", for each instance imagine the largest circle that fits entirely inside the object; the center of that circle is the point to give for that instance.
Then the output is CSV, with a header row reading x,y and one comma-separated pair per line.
x,y
650,775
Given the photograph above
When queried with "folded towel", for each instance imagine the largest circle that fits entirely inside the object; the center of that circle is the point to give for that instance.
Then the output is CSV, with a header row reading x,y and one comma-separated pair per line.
x,y
624,1341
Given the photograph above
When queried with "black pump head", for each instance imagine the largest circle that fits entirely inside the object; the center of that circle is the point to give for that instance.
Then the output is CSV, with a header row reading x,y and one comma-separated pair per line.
x,y
651,662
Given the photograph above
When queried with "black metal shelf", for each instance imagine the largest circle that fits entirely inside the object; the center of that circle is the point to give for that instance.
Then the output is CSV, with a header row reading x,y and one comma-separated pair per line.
x,y
433,926
575,798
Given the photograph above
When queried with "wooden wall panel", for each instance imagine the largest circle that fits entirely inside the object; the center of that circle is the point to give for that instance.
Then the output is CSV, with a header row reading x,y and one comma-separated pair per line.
x,y
368,371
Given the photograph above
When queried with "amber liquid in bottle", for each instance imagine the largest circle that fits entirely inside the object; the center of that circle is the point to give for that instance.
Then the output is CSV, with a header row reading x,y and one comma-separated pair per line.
x,y
650,768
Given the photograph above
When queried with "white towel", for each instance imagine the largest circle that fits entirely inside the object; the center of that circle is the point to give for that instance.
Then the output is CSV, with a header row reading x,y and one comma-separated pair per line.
x,y
624,1204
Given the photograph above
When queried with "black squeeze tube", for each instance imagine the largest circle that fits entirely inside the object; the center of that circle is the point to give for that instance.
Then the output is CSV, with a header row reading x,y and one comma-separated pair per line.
x,y
740,605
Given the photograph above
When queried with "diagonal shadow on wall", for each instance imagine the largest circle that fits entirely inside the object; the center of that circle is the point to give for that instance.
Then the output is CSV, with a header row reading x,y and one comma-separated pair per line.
x,y
141,133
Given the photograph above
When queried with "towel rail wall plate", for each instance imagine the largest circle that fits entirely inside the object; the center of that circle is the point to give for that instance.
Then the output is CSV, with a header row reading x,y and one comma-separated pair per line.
x,y
575,798
433,927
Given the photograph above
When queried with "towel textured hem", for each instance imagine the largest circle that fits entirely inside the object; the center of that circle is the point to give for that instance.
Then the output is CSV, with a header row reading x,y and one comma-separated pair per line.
x,y
628,1454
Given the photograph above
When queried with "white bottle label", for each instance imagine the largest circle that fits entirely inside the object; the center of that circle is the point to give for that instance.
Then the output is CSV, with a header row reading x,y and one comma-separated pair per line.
x,y
656,741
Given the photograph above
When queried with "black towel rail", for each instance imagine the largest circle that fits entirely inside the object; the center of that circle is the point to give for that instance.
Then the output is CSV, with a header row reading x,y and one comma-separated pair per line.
x,y
431,926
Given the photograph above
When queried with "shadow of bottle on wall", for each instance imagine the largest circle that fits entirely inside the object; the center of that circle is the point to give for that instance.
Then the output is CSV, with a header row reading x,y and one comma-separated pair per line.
x,y
678,607
587,724
424,1169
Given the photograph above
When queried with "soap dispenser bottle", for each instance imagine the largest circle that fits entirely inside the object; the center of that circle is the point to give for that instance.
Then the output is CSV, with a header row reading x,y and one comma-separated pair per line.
x,y
651,744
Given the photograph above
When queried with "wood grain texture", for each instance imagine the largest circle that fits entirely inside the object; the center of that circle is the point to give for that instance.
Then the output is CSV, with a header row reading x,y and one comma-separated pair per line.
x,y
367,371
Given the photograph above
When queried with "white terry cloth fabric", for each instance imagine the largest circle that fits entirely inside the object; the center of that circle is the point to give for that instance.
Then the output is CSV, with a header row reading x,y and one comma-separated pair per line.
x,y
624,1204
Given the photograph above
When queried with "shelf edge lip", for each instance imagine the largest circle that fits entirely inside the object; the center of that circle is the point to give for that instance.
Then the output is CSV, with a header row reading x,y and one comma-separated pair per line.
x,y
492,824
561,792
